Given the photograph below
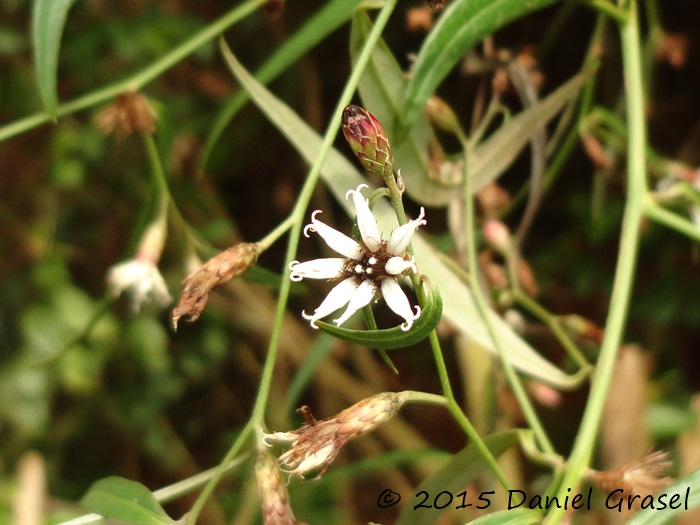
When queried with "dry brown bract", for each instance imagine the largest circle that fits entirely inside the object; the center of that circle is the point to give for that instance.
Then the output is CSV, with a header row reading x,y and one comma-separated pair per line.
x,y
216,272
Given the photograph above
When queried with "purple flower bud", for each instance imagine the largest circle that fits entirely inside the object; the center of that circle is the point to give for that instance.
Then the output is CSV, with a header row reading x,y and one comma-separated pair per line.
x,y
368,141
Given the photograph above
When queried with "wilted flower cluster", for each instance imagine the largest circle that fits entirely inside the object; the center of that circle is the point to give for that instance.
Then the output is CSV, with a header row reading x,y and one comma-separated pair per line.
x,y
316,444
139,276
273,493
646,476
217,271
366,267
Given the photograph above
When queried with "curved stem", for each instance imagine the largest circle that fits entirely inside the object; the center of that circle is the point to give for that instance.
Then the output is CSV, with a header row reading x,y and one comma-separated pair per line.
x,y
624,274
482,307
296,218
459,416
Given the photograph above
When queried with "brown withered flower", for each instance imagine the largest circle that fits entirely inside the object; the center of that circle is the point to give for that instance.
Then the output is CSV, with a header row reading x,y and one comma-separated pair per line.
x,y
130,112
274,498
214,273
644,477
316,444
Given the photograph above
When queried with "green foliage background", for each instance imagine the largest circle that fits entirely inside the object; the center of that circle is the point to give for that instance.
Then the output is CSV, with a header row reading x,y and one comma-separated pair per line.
x,y
99,391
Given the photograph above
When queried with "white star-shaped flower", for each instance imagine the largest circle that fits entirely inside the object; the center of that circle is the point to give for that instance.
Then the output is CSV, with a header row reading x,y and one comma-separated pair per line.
x,y
366,267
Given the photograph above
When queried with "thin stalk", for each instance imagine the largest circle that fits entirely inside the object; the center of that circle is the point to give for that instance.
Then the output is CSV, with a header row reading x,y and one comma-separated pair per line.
x,y
554,325
140,79
459,416
624,274
670,219
480,302
297,217
276,233
605,7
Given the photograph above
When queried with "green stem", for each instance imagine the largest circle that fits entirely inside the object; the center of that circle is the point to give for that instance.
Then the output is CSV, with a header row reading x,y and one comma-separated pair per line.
x,y
275,234
670,219
302,203
297,217
219,472
481,304
459,416
554,325
624,275
140,79
605,7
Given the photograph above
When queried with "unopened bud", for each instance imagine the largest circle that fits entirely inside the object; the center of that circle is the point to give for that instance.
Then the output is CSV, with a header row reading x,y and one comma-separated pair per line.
x,y
272,489
441,115
497,235
128,113
367,139
216,272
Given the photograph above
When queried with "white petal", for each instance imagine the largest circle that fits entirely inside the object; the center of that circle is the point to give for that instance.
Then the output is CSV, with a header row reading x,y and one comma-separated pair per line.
x,y
340,242
398,265
366,222
401,238
362,296
316,269
398,302
281,437
338,297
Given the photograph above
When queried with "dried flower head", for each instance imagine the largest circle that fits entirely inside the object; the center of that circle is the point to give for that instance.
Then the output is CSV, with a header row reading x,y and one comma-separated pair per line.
x,y
367,267
217,271
274,497
646,476
139,276
128,113
368,140
316,444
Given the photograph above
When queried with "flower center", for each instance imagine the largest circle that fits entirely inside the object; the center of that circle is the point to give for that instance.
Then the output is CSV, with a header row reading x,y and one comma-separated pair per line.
x,y
370,265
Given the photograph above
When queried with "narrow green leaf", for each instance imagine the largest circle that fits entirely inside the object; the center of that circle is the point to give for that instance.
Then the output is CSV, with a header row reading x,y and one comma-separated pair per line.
x,y
382,89
326,20
461,26
392,338
687,491
453,477
48,19
496,154
340,175
125,500
510,517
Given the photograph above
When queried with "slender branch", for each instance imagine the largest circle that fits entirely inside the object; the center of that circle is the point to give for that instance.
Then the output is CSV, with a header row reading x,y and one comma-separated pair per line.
x,y
140,79
671,220
297,216
624,275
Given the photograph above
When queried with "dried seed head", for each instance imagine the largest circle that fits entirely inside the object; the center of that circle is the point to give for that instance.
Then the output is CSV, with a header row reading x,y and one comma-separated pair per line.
x,y
273,493
216,272
644,477
316,445
128,113
368,141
